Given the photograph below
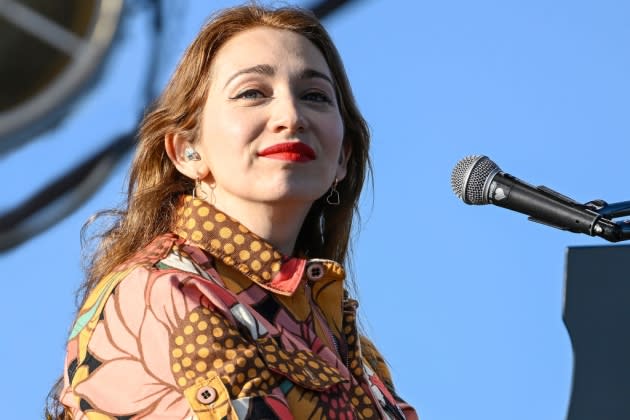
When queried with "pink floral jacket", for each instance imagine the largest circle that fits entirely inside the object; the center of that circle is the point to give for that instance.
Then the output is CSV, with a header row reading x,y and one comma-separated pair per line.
x,y
211,322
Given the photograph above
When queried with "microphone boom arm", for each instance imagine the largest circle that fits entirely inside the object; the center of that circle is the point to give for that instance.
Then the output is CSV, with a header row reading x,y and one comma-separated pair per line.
x,y
610,211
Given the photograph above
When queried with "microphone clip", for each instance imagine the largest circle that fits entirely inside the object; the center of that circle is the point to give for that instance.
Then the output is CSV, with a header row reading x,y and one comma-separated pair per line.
x,y
621,229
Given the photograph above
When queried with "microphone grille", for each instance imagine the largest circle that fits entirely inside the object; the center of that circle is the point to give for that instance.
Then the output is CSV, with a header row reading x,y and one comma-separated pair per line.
x,y
469,177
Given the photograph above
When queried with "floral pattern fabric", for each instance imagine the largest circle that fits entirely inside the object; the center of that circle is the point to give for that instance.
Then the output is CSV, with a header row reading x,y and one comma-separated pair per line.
x,y
211,322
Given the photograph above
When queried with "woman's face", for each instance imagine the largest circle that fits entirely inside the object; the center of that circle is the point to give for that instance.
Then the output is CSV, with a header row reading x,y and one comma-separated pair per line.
x,y
271,131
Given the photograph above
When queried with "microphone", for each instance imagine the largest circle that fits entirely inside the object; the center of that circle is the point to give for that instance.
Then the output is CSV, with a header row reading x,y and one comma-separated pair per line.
x,y
478,180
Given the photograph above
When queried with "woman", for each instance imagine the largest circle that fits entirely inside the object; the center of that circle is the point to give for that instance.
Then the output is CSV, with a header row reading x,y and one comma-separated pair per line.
x,y
220,291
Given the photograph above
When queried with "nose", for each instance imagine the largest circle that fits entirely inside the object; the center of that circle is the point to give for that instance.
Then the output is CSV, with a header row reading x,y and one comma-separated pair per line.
x,y
287,115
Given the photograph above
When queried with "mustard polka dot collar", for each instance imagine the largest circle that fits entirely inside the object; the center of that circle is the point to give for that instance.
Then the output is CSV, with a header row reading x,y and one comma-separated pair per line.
x,y
226,239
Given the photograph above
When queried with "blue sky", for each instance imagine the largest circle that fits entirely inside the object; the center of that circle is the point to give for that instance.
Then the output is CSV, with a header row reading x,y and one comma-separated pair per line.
x,y
464,302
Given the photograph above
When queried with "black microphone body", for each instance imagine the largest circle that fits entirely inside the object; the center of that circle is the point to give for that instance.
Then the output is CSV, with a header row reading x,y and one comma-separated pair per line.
x,y
478,180
543,205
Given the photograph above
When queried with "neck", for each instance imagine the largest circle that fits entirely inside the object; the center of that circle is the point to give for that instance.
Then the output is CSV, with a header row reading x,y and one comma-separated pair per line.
x,y
278,224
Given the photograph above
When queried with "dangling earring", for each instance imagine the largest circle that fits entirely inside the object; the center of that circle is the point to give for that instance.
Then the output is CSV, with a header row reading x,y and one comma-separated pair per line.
x,y
333,196
197,189
191,154
212,199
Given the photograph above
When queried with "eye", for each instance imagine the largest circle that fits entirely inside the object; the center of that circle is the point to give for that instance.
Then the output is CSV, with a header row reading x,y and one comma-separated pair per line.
x,y
249,94
317,96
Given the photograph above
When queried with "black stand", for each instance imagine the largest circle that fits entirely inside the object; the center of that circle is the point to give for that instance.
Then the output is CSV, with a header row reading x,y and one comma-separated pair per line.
x,y
597,316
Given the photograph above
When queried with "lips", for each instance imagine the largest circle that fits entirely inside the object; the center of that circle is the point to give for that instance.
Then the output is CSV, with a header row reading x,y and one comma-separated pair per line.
x,y
291,151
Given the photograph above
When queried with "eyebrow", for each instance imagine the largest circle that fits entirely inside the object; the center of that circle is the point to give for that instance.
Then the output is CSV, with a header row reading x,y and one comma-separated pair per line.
x,y
268,70
264,69
311,74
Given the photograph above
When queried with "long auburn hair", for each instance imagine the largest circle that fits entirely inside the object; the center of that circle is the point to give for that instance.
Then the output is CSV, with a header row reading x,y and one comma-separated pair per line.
x,y
155,186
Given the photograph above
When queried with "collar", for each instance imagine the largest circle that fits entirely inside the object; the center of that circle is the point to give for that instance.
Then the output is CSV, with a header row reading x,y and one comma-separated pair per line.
x,y
204,226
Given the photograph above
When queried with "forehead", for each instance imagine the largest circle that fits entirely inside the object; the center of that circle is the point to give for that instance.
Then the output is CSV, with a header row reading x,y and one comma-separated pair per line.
x,y
262,45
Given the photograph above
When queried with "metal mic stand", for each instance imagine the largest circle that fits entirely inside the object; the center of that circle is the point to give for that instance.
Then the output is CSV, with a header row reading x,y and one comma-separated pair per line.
x,y
612,231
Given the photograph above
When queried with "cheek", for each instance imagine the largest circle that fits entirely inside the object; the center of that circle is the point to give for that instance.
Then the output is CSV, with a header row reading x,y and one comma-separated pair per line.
x,y
334,133
228,132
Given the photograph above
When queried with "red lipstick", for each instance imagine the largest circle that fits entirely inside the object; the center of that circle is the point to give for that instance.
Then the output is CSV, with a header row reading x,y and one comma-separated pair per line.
x,y
292,151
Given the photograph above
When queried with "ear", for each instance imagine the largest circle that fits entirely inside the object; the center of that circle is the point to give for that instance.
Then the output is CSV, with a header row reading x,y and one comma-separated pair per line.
x,y
344,157
175,145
